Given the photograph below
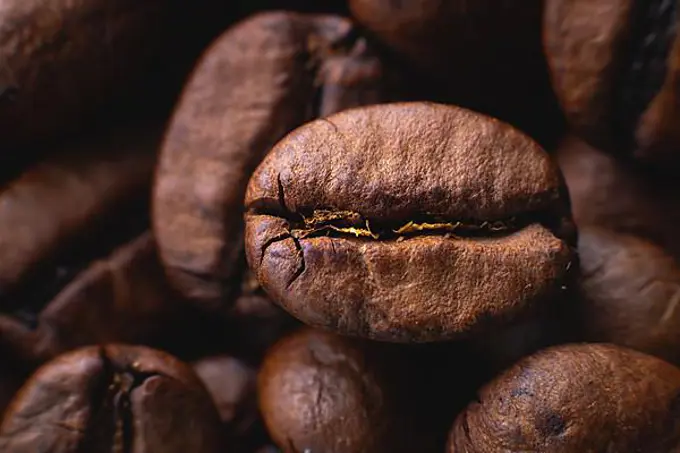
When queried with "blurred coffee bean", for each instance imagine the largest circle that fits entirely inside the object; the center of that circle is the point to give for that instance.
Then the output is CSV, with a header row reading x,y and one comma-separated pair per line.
x,y
615,66
631,293
84,201
113,398
611,193
231,384
483,54
259,80
120,298
64,63
322,392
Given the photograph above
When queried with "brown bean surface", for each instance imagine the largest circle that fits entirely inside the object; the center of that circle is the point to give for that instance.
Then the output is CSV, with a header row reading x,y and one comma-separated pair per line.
x,y
408,222
575,398
112,398
323,392
75,201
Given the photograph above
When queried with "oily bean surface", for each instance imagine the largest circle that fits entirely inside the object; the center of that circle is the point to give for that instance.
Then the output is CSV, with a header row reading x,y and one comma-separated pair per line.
x,y
408,222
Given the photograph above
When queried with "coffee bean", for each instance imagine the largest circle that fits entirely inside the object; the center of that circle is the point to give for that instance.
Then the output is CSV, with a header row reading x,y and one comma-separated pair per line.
x,y
609,193
615,67
408,222
113,398
575,398
123,298
325,393
260,79
631,292
74,210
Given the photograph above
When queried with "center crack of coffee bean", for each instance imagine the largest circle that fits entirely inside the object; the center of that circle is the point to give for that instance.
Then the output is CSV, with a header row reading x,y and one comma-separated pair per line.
x,y
653,33
352,224
111,424
340,223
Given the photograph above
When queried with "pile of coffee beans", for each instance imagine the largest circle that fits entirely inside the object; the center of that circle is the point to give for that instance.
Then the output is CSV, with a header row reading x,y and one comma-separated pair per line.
x,y
362,226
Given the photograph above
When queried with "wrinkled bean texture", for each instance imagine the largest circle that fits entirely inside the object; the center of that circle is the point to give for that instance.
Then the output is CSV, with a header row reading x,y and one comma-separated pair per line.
x,y
408,222
575,398
322,392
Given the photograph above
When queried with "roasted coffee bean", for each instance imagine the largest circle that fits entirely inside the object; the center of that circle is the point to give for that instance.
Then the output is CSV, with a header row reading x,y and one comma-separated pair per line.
x,y
322,392
408,222
616,67
123,298
607,192
631,293
576,398
62,61
482,54
115,398
262,78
